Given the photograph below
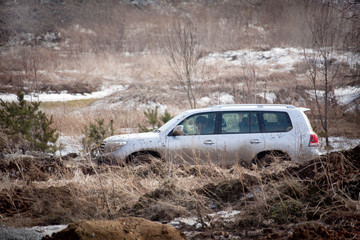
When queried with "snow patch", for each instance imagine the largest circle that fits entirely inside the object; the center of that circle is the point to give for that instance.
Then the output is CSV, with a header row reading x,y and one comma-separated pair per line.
x,y
270,97
347,94
64,96
273,58
223,216
338,144
68,144
343,95
48,230
216,98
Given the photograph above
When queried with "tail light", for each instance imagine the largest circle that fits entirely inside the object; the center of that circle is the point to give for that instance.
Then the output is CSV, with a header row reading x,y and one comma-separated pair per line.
x,y
314,140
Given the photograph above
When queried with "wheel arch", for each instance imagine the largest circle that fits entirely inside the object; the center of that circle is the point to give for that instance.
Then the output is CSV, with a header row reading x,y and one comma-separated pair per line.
x,y
153,153
277,153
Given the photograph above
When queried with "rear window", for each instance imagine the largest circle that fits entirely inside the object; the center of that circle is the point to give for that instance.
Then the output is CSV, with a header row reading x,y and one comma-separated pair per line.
x,y
276,122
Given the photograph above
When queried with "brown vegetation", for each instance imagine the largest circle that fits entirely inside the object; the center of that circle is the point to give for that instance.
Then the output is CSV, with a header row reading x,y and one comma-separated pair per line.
x,y
319,198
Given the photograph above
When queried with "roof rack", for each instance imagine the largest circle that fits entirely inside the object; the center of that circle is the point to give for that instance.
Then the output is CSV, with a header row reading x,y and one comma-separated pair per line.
x,y
250,105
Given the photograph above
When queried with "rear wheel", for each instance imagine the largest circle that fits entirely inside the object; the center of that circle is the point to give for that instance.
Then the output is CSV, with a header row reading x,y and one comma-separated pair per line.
x,y
265,161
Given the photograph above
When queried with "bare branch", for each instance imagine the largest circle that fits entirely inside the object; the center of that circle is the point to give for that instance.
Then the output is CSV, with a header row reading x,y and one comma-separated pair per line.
x,y
182,54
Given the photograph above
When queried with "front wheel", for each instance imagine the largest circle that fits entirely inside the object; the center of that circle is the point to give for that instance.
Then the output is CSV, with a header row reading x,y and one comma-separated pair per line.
x,y
140,158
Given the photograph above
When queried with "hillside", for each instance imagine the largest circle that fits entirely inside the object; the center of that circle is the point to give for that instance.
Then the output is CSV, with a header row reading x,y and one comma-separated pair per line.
x,y
243,52
113,61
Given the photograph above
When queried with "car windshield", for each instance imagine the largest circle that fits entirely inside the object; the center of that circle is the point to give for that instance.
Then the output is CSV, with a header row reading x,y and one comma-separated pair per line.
x,y
171,122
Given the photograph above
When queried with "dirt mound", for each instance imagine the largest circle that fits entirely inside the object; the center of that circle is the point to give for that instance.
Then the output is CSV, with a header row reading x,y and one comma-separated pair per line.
x,y
334,171
31,168
315,231
231,190
37,168
340,163
155,168
163,204
130,228
53,205
282,202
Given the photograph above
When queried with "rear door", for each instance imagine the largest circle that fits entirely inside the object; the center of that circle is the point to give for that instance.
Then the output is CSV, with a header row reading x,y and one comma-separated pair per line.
x,y
278,131
240,138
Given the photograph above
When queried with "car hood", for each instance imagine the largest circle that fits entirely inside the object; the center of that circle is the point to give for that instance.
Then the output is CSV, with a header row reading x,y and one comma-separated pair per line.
x,y
129,137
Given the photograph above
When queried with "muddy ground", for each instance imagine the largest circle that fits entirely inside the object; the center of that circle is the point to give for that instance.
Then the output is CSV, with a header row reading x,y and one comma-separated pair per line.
x,y
319,199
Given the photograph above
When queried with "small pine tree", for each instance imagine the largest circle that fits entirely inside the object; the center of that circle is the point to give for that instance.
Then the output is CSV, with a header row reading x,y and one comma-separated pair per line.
x,y
166,117
153,120
152,116
95,133
24,127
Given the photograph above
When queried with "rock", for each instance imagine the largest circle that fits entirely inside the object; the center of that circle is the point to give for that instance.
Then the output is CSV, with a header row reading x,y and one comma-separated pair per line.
x,y
122,228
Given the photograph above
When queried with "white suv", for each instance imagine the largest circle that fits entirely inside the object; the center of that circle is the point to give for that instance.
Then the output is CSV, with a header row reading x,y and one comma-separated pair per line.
x,y
223,134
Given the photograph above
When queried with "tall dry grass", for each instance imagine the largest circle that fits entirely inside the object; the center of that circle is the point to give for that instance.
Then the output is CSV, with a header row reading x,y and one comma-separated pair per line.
x,y
318,190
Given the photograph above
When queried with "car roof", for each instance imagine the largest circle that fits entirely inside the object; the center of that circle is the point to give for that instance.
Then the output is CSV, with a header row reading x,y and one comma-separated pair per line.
x,y
232,107
244,107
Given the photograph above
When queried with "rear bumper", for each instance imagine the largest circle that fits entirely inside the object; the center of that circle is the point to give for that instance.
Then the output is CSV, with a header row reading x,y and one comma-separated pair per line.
x,y
307,154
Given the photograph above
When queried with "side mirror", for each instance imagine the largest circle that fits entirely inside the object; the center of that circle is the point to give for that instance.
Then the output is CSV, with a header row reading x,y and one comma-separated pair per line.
x,y
178,130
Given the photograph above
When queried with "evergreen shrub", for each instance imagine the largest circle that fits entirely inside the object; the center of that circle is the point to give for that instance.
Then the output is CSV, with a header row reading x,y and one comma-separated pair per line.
x,y
24,127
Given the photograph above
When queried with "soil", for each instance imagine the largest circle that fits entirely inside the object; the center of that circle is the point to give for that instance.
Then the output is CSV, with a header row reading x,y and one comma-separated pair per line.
x,y
129,228
318,199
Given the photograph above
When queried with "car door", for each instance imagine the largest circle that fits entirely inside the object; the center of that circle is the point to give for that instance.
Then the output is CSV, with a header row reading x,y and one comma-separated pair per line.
x,y
198,141
240,138
278,131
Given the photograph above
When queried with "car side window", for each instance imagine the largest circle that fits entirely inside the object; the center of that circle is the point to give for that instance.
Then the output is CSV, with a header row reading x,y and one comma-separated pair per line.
x,y
199,124
276,122
240,122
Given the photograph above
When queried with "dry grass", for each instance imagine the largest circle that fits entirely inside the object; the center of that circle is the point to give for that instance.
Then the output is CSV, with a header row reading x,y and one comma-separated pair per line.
x,y
279,198
68,104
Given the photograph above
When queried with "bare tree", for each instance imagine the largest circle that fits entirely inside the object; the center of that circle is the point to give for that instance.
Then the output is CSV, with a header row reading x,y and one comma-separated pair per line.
x,y
324,24
351,14
182,53
250,77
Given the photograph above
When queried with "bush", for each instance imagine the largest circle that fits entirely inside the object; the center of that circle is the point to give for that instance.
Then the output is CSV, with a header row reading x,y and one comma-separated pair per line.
x,y
24,127
95,133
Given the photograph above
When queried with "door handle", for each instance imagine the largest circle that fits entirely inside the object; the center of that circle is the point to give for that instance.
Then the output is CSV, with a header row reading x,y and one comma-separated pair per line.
x,y
208,142
255,141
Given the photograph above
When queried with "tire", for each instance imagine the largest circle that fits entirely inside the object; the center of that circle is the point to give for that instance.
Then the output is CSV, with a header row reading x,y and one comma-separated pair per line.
x,y
265,161
107,160
269,159
140,158
244,164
